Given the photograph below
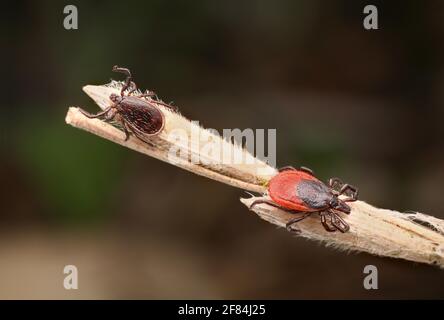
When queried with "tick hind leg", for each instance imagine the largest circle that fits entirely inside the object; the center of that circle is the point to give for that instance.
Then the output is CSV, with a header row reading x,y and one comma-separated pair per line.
x,y
169,106
286,168
128,128
269,202
133,87
291,222
148,94
304,169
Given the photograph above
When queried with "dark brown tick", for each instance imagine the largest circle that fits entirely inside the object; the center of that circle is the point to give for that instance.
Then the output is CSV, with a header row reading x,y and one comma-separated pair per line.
x,y
137,115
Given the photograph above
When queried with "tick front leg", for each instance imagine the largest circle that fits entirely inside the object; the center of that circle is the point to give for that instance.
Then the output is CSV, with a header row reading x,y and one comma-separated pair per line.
x,y
339,223
97,115
350,191
138,135
133,87
335,183
128,81
324,222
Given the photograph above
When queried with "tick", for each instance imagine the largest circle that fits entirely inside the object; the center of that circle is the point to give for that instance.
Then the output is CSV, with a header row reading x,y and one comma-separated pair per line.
x,y
298,191
138,114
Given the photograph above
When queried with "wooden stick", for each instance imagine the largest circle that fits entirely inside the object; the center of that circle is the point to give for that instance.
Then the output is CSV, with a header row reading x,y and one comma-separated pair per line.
x,y
414,236
377,231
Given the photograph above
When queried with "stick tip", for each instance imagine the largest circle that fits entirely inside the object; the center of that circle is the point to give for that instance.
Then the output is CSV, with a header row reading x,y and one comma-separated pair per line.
x,y
100,94
69,115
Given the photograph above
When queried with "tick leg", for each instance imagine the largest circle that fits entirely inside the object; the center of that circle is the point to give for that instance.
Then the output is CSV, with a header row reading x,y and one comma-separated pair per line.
x,y
271,203
148,94
335,183
128,81
286,168
133,87
304,169
137,134
350,191
324,222
339,223
110,114
125,129
291,222
97,115
143,140
173,108
157,101
307,170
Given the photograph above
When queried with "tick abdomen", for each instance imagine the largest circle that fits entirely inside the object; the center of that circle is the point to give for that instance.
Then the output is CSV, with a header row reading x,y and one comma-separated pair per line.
x,y
142,115
284,189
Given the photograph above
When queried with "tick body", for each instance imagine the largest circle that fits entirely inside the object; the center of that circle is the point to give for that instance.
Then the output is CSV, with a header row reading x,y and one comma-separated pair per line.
x,y
299,192
137,114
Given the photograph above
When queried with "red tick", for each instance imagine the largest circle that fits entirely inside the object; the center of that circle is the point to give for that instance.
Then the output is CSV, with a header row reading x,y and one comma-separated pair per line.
x,y
298,191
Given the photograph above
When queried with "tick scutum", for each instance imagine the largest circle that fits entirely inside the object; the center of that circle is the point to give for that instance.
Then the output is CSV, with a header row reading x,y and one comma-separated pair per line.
x,y
313,193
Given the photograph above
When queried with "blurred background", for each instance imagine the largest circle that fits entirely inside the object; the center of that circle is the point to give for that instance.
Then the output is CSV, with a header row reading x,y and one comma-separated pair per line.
x,y
366,106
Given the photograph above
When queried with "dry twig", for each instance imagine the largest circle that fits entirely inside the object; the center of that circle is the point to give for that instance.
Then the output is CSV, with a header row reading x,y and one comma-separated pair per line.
x,y
414,236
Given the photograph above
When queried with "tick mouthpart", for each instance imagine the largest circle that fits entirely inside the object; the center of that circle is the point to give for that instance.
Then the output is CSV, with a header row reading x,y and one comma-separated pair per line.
x,y
114,98
340,206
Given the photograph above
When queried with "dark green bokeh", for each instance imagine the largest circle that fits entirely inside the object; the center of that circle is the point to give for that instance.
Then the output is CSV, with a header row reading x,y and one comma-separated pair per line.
x,y
77,175
366,106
